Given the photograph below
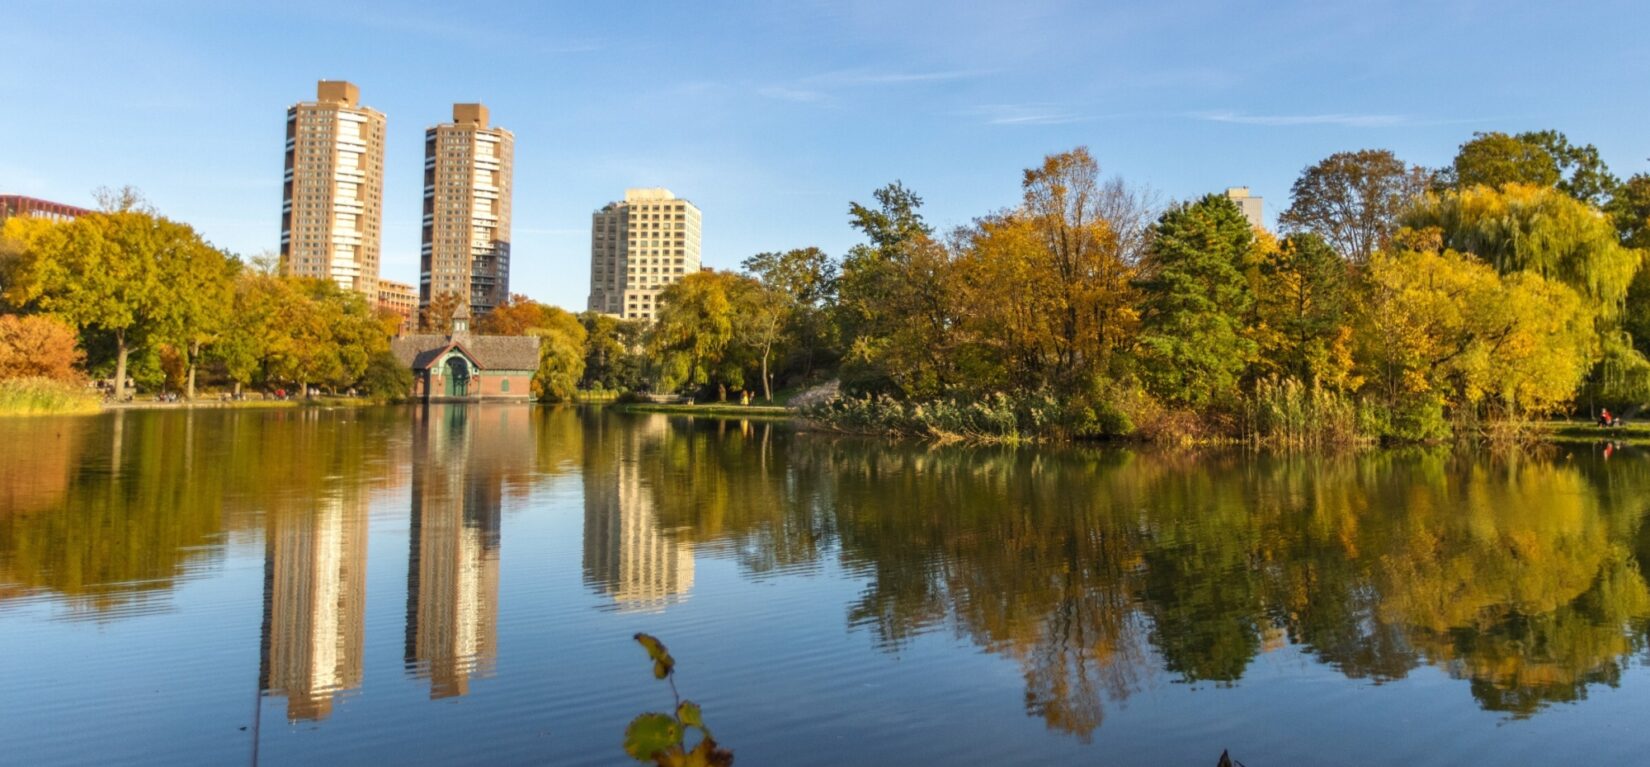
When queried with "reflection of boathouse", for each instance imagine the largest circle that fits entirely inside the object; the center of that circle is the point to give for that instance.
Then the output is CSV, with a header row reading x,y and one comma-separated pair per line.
x,y
626,555
452,573
462,366
315,592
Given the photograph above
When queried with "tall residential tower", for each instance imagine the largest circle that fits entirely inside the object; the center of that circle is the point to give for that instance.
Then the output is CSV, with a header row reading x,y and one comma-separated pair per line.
x,y
637,248
1249,204
332,201
467,170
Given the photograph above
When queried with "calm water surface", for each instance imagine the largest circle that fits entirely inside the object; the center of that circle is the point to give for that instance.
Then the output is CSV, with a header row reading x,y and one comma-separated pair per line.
x,y
457,585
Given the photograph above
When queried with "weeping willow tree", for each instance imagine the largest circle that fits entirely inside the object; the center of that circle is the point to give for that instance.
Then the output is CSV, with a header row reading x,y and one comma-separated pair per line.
x,y
1525,228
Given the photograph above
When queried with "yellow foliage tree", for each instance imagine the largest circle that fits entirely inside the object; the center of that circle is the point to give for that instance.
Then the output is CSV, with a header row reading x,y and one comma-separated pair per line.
x,y
1444,327
561,355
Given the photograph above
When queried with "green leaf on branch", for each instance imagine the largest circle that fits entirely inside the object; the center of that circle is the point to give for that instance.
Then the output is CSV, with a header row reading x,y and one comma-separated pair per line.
x,y
650,734
689,715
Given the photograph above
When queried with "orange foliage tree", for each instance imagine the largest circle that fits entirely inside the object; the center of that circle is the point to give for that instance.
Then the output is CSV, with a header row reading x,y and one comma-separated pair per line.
x,y
37,346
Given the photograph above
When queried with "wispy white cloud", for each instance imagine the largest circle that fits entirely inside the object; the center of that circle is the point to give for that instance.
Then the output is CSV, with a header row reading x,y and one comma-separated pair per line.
x,y
1343,119
824,88
1025,114
1046,114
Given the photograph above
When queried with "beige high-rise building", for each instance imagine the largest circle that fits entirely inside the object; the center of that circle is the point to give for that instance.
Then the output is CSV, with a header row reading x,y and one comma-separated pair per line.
x,y
467,172
1251,205
637,248
333,197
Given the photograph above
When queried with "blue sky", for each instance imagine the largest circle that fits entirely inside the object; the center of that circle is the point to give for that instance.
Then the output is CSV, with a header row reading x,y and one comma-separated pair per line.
x,y
772,116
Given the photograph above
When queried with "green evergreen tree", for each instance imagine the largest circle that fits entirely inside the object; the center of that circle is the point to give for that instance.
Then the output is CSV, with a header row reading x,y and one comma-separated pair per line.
x,y
1191,344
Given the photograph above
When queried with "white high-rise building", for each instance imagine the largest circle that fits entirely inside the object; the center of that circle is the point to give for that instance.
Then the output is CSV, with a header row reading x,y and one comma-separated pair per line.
x,y
638,247
332,200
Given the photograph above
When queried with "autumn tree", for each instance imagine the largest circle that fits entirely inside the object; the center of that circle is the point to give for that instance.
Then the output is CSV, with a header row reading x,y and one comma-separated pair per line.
x,y
611,352
126,199
1008,307
1535,158
327,335
516,316
1085,265
761,316
37,346
1582,172
1630,212
695,326
437,315
1521,227
1194,298
1353,200
113,273
253,331
1442,330
1529,228
1495,158
561,355
1302,302
807,277
199,285
896,300
386,378
18,236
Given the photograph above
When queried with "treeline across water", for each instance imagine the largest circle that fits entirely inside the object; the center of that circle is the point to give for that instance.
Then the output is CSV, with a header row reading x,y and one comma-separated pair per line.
x,y
1397,303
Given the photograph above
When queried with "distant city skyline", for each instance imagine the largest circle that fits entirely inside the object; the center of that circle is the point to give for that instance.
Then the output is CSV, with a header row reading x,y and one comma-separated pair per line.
x,y
773,118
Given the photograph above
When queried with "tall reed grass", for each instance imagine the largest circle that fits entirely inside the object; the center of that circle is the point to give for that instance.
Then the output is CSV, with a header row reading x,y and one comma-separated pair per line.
x,y
1288,412
44,396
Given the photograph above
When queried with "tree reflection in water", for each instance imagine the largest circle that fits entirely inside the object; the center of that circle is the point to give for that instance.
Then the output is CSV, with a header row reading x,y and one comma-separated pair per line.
x,y
1098,570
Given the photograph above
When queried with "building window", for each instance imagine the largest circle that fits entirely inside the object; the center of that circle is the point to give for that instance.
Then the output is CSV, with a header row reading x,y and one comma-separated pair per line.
x,y
504,385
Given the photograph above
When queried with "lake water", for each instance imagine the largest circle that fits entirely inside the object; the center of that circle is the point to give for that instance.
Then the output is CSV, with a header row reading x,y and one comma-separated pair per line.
x,y
459,585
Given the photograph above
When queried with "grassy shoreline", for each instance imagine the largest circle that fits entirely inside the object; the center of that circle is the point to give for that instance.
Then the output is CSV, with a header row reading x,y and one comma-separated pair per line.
x,y
1572,432
35,398
1566,431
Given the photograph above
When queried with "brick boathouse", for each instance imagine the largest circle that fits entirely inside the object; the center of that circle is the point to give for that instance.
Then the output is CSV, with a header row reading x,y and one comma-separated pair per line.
x,y
467,368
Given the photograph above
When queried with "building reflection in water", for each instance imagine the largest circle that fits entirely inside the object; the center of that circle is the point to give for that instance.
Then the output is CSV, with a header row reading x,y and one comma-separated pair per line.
x,y
452,574
626,555
315,594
